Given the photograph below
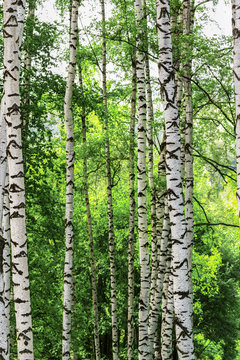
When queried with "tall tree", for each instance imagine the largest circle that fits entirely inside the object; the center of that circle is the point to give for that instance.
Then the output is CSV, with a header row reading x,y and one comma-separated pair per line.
x,y
90,232
109,194
13,30
236,73
142,187
6,264
187,27
69,234
131,236
180,263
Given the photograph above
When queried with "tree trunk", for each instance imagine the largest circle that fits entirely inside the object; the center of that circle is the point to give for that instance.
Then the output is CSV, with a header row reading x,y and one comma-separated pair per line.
x,y
90,235
68,266
13,29
3,157
161,213
131,236
109,196
187,22
236,75
181,290
6,264
3,334
150,118
142,196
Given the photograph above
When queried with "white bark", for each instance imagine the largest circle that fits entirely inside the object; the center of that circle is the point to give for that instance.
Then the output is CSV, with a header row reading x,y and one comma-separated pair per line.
x,y
13,29
3,157
236,74
131,236
3,334
6,265
109,195
181,291
167,316
90,234
187,24
142,198
68,266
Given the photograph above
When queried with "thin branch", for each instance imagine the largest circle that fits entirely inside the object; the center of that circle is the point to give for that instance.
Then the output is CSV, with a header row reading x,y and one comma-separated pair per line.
x,y
216,224
90,44
205,214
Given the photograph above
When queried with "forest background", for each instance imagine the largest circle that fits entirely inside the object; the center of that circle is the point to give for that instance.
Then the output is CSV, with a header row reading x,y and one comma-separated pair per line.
x,y
216,267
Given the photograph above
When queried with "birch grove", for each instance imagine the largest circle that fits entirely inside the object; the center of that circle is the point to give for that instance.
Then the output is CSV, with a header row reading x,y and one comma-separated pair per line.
x,y
118,190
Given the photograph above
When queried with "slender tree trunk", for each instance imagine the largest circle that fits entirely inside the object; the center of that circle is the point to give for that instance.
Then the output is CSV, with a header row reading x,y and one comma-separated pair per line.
x,y
187,23
13,29
153,320
6,264
161,212
3,157
167,317
181,290
90,234
109,197
28,62
3,334
236,74
131,236
69,234
142,196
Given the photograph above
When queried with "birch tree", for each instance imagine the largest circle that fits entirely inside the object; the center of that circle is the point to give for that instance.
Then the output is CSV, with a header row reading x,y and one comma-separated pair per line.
x,y
187,22
131,236
6,264
109,195
90,233
181,290
236,75
69,234
13,29
142,186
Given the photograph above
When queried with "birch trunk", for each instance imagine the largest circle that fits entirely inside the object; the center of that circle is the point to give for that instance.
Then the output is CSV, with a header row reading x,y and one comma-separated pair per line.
x,y
109,197
167,317
69,234
162,214
28,62
153,321
142,186
131,236
181,290
13,29
90,234
3,157
3,334
6,266
187,24
236,75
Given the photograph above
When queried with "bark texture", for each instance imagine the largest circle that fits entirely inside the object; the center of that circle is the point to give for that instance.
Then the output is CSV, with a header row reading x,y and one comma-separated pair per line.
x,y
3,157
131,236
69,233
187,26
109,196
13,28
142,196
236,75
180,263
6,264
